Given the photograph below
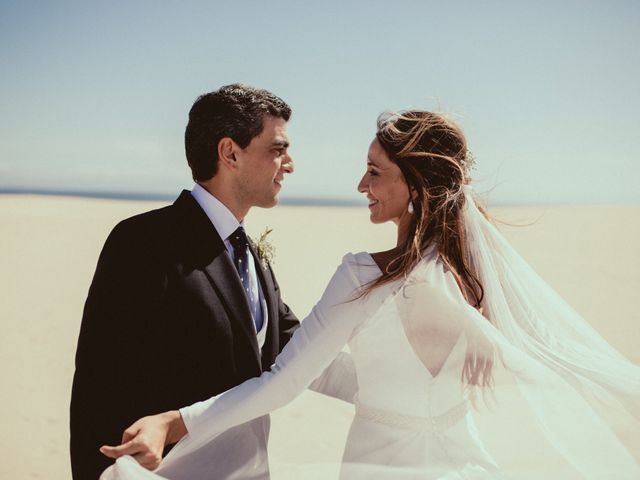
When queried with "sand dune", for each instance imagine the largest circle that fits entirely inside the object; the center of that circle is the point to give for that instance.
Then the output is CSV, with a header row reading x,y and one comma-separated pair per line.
x,y
49,247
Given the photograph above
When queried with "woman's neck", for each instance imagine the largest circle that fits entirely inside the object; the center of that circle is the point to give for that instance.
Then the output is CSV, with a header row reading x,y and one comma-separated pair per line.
x,y
403,227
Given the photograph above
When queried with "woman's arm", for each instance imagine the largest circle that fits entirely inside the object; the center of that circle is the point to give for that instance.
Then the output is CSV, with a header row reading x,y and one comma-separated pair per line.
x,y
313,346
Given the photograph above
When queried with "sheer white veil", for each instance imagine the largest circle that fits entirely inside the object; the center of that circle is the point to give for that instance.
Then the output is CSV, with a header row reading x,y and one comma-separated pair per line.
x,y
583,394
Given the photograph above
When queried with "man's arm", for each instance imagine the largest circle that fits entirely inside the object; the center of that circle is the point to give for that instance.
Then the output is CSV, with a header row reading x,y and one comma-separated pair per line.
x,y
106,395
287,320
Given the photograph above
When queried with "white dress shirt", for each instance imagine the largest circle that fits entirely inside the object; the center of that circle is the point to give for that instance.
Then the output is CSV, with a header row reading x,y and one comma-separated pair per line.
x,y
226,223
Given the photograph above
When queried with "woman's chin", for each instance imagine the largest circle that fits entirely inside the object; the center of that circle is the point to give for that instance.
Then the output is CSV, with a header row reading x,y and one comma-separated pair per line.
x,y
373,218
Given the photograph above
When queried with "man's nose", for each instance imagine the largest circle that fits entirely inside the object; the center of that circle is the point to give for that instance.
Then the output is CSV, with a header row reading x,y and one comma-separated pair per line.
x,y
288,165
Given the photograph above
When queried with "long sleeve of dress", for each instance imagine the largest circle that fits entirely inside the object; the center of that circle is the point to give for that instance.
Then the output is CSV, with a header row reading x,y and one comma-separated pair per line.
x,y
339,380
312,348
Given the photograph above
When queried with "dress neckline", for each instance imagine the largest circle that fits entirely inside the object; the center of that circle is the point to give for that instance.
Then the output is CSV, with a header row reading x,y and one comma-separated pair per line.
x,y
429,251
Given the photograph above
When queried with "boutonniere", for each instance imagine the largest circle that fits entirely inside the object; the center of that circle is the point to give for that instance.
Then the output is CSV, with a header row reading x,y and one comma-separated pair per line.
x,y
264,249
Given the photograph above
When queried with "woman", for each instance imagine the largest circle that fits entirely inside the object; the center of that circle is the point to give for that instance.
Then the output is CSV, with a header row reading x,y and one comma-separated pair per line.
x,y
436,326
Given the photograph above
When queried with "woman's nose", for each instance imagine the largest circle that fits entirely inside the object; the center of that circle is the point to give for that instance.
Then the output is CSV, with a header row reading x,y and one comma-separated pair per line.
x,y
363,186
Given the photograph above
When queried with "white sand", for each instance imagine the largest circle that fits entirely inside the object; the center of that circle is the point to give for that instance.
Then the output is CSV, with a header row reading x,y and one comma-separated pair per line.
x,y
49,247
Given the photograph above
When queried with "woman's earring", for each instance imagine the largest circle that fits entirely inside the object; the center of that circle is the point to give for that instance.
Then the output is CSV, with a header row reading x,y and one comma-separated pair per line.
x,y
410,207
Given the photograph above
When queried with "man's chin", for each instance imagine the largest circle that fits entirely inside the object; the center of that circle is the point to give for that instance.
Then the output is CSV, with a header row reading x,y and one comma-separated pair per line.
x,y
268,203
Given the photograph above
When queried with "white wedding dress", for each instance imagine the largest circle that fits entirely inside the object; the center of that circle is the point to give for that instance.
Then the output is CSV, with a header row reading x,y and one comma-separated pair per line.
x,y
414,417
409,421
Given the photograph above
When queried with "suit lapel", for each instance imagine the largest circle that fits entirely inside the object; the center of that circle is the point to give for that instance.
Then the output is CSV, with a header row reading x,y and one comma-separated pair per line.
x,y
211,255
224,277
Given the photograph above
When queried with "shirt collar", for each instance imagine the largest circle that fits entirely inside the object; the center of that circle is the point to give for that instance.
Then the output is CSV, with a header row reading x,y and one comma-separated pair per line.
x,y
221,217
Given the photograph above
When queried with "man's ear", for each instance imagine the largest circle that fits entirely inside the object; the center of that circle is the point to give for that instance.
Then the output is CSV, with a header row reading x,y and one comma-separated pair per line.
x,y
226,152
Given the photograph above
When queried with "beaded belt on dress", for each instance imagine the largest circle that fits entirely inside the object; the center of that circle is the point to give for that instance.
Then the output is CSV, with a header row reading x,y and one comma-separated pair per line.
x,y
438,423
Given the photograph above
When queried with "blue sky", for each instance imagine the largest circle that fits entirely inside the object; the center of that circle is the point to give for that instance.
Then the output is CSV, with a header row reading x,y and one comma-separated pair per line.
x,y
95,95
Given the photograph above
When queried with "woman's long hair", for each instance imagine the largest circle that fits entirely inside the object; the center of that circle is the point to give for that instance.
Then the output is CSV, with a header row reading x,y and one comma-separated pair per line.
x,y
431,151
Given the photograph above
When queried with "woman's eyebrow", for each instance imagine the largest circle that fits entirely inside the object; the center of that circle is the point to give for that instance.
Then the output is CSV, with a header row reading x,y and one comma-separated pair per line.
x,y
371,162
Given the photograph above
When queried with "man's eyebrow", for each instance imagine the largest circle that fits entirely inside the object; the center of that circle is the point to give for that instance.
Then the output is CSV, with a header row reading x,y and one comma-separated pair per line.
x,y
281,143
371,162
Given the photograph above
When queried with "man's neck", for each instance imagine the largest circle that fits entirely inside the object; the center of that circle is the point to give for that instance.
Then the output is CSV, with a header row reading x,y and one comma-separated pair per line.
x,y
226,198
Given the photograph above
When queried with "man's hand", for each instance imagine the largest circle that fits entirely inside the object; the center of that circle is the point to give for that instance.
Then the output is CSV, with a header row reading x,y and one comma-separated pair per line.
x,y
145,439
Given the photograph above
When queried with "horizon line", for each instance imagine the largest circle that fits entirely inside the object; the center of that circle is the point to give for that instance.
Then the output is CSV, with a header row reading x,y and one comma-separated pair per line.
x,y
295,201
158,196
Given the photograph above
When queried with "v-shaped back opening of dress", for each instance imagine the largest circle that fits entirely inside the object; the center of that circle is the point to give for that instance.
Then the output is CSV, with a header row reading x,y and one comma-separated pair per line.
x,y
431,337
434,354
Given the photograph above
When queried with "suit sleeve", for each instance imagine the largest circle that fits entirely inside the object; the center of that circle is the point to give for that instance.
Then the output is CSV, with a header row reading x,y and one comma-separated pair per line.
x,y
108,364
287,321
312,348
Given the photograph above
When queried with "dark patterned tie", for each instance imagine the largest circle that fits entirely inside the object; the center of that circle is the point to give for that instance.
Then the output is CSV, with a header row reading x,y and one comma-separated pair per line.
x,y
241,259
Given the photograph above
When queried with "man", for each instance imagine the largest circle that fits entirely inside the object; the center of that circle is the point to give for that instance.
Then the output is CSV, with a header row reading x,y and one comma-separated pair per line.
x,y
180,307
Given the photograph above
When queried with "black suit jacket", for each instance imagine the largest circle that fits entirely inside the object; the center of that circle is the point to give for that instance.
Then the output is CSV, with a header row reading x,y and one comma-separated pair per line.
x,y
165,324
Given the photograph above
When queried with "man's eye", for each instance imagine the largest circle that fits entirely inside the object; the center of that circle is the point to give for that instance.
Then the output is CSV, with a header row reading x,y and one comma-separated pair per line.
x,y
373,173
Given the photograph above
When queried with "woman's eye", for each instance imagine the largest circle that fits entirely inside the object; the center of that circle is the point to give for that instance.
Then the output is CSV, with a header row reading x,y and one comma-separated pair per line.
x,y
373,173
